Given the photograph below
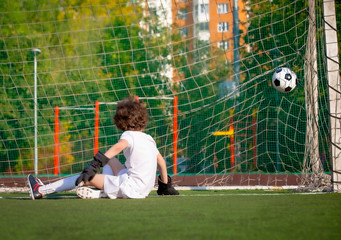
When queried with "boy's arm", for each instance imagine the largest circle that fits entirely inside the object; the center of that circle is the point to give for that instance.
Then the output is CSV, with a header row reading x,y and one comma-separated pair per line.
x,y
116,148
164,181
162,167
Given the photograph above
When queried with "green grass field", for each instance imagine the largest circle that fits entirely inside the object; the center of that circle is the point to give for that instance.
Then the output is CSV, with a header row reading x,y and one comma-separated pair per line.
x,y
192,215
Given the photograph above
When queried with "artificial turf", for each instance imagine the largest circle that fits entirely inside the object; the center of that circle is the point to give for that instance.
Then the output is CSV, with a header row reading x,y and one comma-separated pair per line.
x,y
192,215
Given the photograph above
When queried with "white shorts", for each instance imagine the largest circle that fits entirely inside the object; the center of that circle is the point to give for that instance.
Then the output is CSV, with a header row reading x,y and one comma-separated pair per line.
x,y
120,186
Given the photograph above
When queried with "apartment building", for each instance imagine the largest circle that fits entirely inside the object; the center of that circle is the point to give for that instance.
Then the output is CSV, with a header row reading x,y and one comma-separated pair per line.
x,y
205,20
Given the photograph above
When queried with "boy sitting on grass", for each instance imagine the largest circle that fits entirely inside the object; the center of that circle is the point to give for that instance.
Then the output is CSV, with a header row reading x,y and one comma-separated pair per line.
x,y
134,180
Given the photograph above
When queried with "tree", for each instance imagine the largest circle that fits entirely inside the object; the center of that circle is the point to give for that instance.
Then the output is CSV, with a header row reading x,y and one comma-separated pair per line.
x,y
91,50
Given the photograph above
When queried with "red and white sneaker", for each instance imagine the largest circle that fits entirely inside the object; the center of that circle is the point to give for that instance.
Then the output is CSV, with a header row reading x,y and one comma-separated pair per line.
x,y
34,186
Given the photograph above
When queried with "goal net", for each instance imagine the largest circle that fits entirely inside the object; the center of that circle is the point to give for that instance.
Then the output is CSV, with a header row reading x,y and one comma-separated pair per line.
x,y
203,69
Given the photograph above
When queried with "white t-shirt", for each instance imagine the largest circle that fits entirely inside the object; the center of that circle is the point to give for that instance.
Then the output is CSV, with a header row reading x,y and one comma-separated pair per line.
x,y
139,178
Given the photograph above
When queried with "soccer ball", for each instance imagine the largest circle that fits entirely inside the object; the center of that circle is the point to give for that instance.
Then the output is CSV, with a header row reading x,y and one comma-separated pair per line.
x,y
284,80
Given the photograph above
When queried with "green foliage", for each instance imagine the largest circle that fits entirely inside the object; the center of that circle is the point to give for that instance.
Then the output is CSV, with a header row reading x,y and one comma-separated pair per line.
x,y
90,50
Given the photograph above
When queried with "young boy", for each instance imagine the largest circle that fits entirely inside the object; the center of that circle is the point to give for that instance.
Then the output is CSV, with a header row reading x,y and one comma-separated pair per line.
x,y
134,180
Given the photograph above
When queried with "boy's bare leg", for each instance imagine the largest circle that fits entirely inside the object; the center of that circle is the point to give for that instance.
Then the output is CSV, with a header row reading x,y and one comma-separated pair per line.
x,y
97,181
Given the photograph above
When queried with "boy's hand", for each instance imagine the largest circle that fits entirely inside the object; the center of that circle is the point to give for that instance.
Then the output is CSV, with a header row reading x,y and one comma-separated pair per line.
x,y
166,188
87,175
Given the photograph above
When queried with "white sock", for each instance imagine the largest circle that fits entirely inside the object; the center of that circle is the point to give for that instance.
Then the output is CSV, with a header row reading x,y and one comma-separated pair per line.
x,y
59,186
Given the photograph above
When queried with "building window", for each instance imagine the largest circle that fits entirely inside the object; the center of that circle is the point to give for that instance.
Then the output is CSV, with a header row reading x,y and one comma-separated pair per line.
x,y
204,8
182,14
223,27
152,12
224,44
223,8
203,26
184,31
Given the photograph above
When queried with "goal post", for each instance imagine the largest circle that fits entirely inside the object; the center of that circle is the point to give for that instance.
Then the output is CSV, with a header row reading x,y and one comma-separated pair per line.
x,y
56,133
175,135
57,124
56,141
96,127
334,89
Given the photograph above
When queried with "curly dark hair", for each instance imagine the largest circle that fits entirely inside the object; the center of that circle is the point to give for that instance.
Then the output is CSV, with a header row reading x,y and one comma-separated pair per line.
x,y
131,114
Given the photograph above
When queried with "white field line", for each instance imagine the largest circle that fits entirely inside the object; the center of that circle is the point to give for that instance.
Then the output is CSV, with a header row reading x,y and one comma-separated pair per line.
x,y
257,187
242,194
191,195
182,188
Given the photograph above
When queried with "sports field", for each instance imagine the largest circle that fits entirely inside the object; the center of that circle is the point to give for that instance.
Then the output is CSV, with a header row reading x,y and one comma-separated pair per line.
x,y
192,215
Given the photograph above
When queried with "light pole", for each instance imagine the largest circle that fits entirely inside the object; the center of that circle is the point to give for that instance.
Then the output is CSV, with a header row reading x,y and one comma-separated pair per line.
x,y
35,52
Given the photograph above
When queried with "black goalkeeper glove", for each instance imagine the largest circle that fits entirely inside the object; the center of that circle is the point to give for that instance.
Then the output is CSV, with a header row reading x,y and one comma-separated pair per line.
x,y
166,189
90,171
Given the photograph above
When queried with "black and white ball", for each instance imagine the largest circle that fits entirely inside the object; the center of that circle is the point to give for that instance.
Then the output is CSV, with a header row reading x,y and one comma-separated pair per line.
x,y
284,80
